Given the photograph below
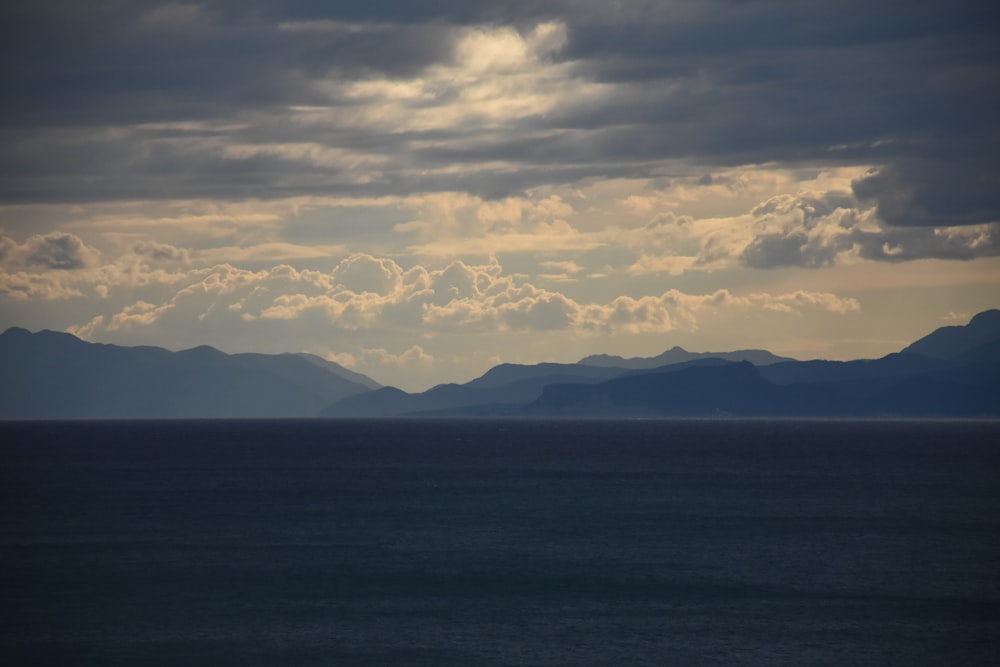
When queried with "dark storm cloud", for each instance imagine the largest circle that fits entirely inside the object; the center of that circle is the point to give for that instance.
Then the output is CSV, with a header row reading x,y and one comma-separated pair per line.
x,y
98,67
924,192
908,86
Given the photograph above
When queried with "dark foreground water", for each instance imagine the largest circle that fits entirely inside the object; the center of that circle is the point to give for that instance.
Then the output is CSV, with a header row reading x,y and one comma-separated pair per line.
x,y
500,543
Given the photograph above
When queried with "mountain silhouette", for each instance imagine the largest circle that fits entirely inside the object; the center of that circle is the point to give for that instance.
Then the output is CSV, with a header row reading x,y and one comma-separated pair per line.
x,y
677,355
895,365
952,372
500,388
950,342
739,389
56,375
731,389
961,382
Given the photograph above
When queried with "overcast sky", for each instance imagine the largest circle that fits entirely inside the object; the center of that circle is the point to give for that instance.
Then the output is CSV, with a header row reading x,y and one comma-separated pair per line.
x,y
421,190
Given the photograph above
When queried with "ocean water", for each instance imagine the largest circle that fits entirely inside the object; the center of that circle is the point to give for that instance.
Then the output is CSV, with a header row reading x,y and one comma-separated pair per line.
x,y
500,542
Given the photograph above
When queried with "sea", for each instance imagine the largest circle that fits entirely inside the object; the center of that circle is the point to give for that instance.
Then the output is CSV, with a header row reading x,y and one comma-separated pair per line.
x,y
500,542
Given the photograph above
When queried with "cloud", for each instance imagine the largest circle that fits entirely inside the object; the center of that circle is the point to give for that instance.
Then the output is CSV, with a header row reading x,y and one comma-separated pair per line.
x,y
812,231
412,356
23,286
160,251
364,273
495,98
675,309
57,251
369,294
808,230
559,271
922,192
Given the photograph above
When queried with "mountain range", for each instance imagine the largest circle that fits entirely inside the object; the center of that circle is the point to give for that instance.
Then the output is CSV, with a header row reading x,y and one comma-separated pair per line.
x,y
952,372
56,375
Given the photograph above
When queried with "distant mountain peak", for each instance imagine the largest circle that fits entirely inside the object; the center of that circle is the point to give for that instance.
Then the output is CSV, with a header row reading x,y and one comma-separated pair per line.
x,y
952,341
677,355
986,318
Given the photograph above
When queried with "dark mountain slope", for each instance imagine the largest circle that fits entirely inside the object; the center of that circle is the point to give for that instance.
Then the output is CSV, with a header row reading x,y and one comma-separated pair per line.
x,y
735,389
56,375
446,398
891,366
958,391
739,389
949,342
505,374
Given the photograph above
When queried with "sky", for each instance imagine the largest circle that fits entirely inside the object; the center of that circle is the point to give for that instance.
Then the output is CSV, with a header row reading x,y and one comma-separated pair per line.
x,y
422,190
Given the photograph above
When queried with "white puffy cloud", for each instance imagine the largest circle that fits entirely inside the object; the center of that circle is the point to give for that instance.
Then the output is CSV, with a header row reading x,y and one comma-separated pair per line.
x,y
46,267
812,230
808,229
674,309
364,273
365,293
23,286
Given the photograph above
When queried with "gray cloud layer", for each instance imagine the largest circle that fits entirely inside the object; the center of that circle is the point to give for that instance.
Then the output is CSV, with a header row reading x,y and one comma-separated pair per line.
x,y
150,100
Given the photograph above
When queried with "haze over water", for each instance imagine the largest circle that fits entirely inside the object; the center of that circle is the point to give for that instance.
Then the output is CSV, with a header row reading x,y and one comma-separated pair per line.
x,y
496,542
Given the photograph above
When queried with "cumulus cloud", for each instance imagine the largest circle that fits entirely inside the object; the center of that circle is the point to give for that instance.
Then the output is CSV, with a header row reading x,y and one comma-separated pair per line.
x,y
805,229
365,293
364,273
375,313
675,309
365,168
58,250
45,266
23,286
811,231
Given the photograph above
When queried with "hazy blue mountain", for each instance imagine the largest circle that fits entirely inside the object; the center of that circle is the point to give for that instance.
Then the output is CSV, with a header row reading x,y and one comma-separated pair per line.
x,y
740,390
950,342
384,402
56,375
503,389
953,372
500,388
745,382
505,374
955,391
891,366
731,389
339,370
987,353
677,355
